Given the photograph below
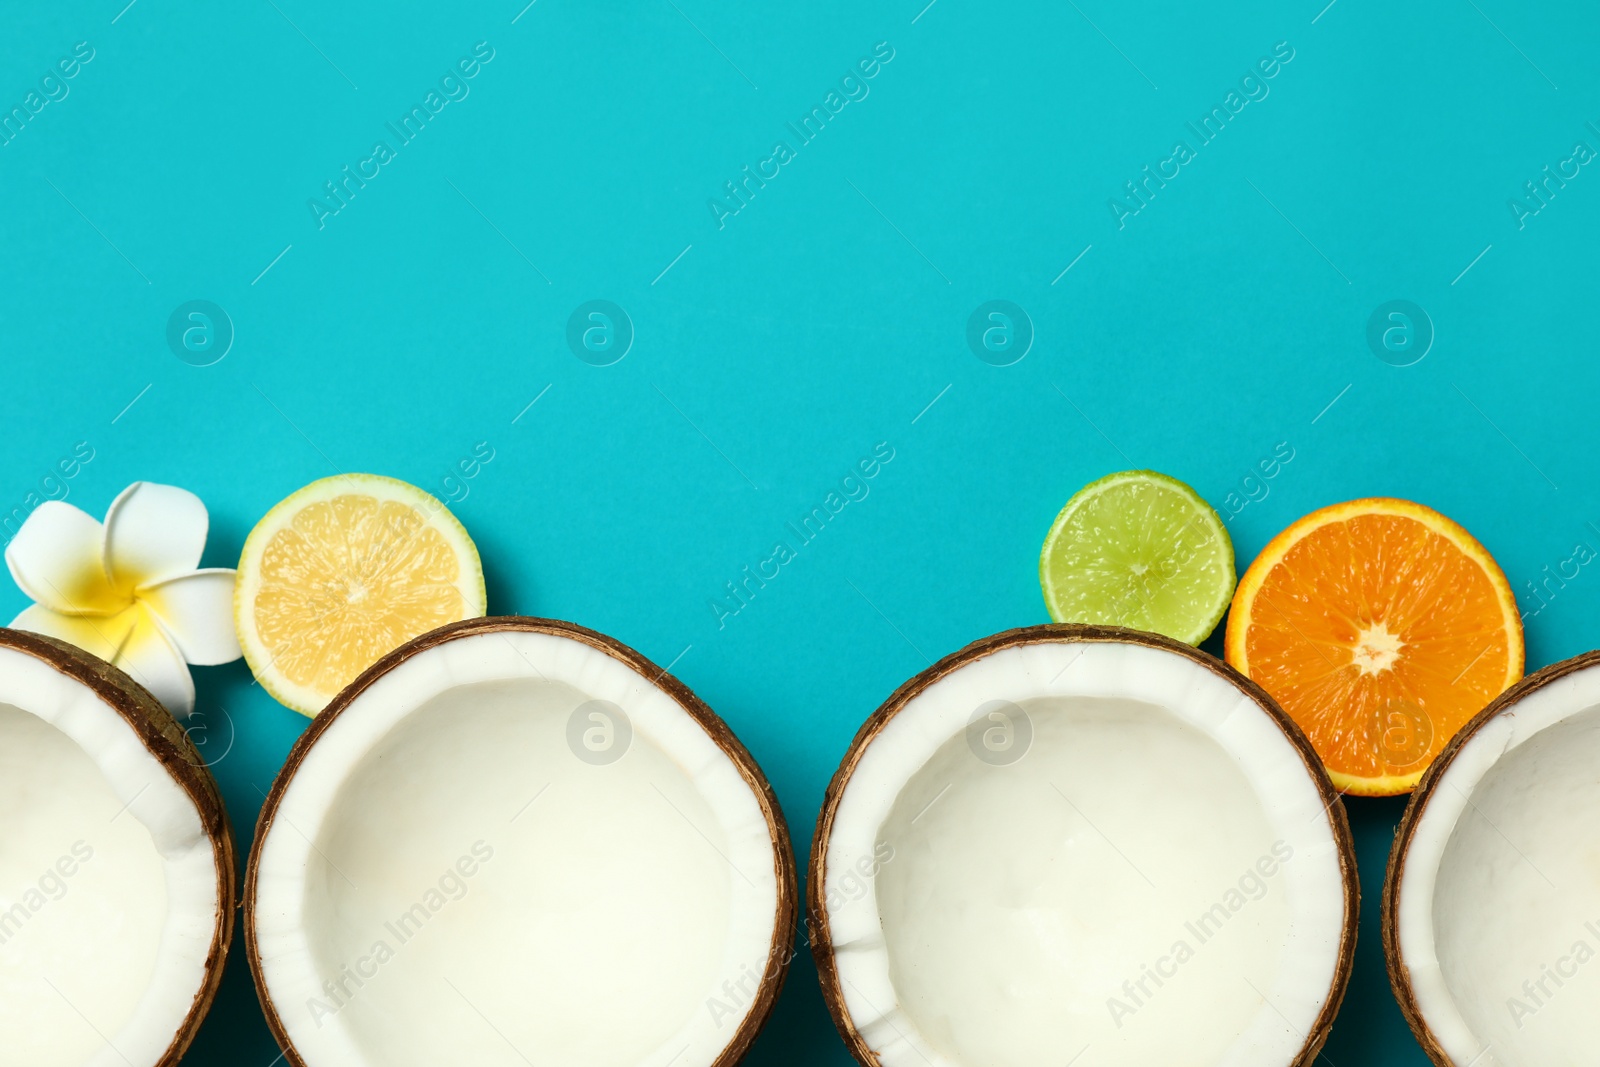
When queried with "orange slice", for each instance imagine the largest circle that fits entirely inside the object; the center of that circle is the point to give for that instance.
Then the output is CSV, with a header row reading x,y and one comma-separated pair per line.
x,y
1381,627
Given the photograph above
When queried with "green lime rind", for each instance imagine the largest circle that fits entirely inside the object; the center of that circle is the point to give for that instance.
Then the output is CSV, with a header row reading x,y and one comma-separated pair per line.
x,y
1142,550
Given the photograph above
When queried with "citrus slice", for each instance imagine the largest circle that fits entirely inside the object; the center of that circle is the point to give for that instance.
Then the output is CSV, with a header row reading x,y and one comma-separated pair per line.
x,y
1142,550
342,572
1381,627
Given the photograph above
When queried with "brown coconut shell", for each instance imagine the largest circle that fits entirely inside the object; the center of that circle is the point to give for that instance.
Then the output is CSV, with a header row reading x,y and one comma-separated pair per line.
x,y
817,915
779,953
171,746
1400,851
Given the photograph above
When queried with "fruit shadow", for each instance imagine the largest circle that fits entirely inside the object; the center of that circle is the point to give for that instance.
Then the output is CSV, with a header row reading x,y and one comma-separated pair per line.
x,y
243,735
235,1032
510,590
800,1032
1370,1028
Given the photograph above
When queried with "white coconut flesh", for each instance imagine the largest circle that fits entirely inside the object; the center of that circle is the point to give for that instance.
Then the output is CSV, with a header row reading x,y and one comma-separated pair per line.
x,y
445,879
1498,906
108,881
1157,878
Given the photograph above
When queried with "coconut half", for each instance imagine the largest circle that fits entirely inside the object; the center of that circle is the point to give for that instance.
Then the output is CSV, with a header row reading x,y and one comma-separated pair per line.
x,y
517,841
1491,910
1072,841
116,866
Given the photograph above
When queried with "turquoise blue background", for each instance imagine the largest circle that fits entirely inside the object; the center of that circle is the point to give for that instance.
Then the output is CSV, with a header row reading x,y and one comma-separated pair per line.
x,y
1224,318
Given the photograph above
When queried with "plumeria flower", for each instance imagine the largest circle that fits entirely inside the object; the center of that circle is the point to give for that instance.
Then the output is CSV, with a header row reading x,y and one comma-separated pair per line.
x,y
128,591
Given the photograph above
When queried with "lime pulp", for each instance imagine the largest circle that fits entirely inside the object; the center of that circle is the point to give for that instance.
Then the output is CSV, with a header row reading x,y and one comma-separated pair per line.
x,y
1142,550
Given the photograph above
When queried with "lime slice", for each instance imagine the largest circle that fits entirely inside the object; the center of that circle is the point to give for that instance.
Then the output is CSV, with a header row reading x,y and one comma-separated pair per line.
x,y
1142,550
342,572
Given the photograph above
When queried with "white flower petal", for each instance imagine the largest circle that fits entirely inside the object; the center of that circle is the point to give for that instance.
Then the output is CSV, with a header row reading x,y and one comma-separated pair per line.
x,y
97,635
153,661
197,611
153,532
56,558
132,640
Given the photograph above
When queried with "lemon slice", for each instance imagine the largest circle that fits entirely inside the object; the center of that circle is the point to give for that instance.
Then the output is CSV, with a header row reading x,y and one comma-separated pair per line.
x,y
342,572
